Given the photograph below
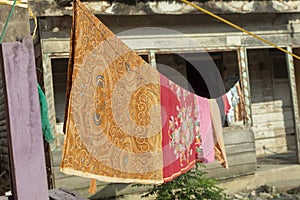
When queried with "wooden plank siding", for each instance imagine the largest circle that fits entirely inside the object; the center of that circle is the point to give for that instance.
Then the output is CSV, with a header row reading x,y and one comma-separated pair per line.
x,y
25,137
272,113
240,150
4,161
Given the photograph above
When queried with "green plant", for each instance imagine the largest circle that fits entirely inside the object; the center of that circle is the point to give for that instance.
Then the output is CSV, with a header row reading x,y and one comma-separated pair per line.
x,y
191,185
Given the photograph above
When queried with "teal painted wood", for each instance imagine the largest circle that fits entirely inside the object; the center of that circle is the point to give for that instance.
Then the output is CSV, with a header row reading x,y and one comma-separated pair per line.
x,y
25,138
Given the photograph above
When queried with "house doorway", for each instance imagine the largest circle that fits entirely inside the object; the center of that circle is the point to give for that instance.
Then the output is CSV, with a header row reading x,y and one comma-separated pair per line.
x,y
271,105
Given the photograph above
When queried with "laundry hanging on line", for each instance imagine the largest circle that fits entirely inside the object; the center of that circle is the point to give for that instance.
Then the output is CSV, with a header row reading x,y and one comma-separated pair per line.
x,y
125,122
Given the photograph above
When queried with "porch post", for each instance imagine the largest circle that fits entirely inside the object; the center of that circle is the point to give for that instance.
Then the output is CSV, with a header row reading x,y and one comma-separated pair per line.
x,y
152,58
292,83
48,85
244,76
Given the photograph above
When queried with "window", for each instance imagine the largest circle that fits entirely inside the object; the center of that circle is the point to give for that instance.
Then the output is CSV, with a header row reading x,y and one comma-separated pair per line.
x,y
279,64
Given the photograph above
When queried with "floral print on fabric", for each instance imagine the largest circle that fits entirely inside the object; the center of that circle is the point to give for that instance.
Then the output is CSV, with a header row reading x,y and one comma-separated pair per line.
x,y
179,131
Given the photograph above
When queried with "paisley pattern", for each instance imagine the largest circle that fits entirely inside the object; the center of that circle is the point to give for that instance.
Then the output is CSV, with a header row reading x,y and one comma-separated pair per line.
x,y
124,121
113,127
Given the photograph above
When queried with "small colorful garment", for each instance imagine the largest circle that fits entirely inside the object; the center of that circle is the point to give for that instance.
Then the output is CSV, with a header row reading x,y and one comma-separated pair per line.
x,y
230,114
227,106
235,96
239,110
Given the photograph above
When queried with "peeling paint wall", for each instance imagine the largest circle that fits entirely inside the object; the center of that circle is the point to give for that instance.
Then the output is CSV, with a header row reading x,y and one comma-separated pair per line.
x,y
50,7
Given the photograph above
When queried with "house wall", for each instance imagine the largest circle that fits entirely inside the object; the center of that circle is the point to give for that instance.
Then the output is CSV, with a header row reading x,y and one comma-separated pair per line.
x,y
118,7
272,113
4,159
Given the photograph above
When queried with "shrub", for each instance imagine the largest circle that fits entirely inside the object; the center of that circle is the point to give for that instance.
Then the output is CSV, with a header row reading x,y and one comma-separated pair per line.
x,y
191,185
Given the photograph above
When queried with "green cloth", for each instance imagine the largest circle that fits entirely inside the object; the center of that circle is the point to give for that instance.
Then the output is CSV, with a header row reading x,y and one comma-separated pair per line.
x,y
46,127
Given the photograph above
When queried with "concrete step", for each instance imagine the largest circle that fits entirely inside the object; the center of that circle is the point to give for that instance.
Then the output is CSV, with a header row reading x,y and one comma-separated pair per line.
x,y
265,174
284,186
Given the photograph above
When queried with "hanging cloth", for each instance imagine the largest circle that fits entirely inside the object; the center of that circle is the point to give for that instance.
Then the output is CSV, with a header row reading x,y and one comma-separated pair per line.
x,y
239,110
230,114
220,103
220,153
46,127
179,127
124,121
226,104
113,119
207,152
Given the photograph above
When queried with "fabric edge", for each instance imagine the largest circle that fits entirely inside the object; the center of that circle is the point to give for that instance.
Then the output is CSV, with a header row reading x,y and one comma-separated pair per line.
x,y
108,179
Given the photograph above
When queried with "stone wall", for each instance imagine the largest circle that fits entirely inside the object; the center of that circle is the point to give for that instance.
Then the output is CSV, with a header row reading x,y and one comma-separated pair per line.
x,y
123,7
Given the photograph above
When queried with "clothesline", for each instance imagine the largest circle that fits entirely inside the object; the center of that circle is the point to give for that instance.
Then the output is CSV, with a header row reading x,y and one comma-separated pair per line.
x,y
7,20
240,28
19,3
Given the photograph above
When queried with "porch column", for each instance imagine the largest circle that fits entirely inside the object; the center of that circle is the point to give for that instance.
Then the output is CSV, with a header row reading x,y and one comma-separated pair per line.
x,y
244,76
152,58
49,93
292,81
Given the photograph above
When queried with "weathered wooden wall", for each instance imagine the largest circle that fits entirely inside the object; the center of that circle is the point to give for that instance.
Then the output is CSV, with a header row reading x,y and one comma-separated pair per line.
x,y
4,161
272,114
51,8
240,150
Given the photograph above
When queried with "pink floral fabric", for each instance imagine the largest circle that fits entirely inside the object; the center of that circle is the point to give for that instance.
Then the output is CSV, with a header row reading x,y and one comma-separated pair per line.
x,y
179,122
207,153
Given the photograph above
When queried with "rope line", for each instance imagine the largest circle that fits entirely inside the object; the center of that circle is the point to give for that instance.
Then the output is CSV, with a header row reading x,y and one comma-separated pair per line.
x,y
240,28
20,3
35,21
7,20
23,4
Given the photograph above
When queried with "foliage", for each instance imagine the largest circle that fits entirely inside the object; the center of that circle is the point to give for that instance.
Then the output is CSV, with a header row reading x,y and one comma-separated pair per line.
x,y
191,185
